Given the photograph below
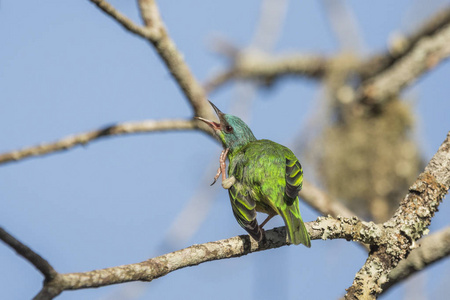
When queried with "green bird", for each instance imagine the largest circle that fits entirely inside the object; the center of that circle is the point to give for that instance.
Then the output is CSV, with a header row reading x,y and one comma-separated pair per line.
x,y
263,176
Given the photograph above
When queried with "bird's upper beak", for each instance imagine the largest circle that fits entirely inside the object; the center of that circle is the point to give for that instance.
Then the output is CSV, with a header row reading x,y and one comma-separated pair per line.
x,y
212,124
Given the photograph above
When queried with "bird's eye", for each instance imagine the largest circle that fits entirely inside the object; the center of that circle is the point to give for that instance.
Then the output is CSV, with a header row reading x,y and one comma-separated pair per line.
x,y
228,129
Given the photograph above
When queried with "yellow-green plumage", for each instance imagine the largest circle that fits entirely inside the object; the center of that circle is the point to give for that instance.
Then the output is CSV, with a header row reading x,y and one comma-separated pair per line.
x,y
267,175
268,178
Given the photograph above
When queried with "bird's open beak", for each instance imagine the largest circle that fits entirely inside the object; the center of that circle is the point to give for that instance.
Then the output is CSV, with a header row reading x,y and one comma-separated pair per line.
x,y
212,124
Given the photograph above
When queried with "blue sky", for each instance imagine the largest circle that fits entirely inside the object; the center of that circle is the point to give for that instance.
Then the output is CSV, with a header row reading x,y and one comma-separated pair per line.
x,y
66,68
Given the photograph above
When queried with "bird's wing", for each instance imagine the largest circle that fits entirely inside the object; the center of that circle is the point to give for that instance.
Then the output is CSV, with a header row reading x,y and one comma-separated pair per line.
x,y
291,213
294,178
244,210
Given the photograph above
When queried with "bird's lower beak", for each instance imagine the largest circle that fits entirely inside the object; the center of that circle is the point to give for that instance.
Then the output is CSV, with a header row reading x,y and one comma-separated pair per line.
x,y
212,124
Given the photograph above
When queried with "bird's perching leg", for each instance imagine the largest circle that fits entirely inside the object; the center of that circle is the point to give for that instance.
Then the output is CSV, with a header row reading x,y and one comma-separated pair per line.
x,y
267,220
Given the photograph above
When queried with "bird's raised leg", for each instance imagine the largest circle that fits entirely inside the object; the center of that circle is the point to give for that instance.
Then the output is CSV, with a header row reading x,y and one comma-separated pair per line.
x,y
226,182
221,169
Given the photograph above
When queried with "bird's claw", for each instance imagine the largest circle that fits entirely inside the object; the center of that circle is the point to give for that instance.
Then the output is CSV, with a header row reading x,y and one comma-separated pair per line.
x,y
217,176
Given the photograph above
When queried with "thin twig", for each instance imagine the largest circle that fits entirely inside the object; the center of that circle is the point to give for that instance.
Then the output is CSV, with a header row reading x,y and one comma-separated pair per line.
x,y
195,211
218,80
255,66
35,259
86,137
123,20
156,33
174,60
323,203
48,293
343,24
150,15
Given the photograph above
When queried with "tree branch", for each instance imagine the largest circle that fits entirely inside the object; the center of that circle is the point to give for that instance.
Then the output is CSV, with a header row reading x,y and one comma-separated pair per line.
x,y
425,55
35,259
378,63
323,228
343,25
390,242
47,293
123,20
321,202
420,52
156,33
255,66
174,60
86,137
406,226
432,249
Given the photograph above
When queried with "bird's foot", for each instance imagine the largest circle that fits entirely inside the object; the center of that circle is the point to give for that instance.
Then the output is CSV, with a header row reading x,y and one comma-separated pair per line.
x,y
222,167
217,176
266,220
228,182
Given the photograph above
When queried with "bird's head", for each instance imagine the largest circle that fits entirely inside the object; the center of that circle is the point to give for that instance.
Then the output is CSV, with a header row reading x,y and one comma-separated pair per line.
x,y
231,130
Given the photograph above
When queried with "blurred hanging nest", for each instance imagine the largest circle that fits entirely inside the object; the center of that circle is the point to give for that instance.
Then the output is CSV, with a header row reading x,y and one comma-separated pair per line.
x,y
369,159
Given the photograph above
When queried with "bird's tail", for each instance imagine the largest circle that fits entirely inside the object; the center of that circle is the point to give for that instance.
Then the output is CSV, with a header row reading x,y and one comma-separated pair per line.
x,y
294,225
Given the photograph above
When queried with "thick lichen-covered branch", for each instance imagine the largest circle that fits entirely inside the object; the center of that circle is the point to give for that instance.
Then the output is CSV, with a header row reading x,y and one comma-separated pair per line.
x,y
432,248
408,224
87,137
